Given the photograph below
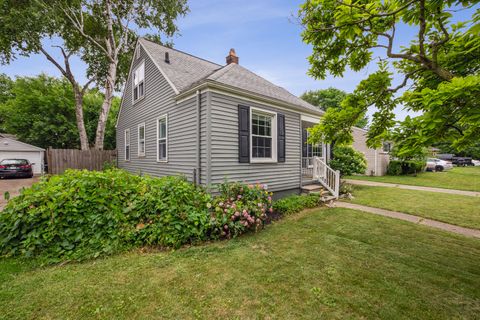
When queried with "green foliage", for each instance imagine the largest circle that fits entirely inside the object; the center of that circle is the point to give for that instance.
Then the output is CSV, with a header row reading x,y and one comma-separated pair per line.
x,y
296,203
403,167
84,214
348,161
325,99
240,208
41,111
439,67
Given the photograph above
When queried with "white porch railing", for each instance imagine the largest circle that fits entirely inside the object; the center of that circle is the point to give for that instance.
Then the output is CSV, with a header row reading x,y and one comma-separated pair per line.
x,y
328,177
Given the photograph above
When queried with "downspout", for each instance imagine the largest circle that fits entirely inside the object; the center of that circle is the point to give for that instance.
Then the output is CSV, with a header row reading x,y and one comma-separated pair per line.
x,y
199,139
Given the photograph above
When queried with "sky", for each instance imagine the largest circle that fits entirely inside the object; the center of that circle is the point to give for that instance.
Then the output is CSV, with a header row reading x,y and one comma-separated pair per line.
x,y
264,33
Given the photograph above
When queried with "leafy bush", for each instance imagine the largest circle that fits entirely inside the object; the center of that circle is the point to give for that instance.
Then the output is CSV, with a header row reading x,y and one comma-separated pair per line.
x,y
345,188
348,161
83,214
398,167
296,203
240,208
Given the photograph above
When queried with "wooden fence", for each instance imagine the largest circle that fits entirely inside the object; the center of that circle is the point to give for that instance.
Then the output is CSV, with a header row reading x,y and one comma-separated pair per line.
x,y
59,160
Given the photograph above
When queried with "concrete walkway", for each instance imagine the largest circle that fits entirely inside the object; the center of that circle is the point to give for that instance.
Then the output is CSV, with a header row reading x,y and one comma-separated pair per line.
x,y
409,187
411,218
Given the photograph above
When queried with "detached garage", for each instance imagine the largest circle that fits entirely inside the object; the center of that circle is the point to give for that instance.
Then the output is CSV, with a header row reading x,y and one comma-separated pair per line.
x,y
13,149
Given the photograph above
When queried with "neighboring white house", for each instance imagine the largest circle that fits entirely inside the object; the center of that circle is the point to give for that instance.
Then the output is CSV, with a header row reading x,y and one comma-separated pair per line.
x,y
14,149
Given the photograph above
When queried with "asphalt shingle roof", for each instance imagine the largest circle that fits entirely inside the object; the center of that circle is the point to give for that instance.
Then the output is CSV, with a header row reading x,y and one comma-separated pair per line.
x,y
185,71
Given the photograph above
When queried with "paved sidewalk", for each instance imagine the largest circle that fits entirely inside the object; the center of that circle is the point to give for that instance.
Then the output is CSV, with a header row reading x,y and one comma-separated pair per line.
x,y
404,186
411,218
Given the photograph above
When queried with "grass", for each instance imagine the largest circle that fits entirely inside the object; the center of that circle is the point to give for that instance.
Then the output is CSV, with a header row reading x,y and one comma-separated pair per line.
x,y
322,263
460,178
455,209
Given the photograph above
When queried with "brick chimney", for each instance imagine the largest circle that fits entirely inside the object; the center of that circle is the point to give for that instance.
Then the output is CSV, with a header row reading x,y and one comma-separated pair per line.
x,y
232,57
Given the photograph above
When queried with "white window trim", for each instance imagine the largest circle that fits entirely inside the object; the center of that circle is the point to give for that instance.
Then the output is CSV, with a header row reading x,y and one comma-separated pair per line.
x,y
133,82
166,138
137,52
127,133
141,154
273,114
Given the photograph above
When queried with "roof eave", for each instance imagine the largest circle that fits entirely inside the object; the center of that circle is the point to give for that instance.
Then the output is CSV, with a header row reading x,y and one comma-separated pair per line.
x,y
231,89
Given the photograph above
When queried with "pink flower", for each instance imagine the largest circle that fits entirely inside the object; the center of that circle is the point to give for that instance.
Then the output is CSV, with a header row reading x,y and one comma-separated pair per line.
x,y
225,227
221,204
263,210
239,197
225,210
270,210
260,205
245,211
237,214
250,186
269,199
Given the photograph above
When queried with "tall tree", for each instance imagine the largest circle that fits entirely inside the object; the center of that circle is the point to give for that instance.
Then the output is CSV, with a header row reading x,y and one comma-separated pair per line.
x,y
328,98
101,32
41,111
25,24
439,68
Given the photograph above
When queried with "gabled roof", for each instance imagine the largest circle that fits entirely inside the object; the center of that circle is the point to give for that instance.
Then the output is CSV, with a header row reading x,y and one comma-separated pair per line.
x,y
186,72
7,144
183,69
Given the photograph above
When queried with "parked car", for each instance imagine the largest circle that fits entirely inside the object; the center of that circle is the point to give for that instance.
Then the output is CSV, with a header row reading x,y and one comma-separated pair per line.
x,y
476,163
434,164
15,168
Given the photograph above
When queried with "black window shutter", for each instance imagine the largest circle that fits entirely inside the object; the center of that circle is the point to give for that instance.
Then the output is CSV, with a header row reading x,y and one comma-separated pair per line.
x,y
281,137
243,134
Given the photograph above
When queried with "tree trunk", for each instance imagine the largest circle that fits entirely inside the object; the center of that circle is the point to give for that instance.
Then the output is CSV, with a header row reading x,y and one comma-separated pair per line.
x,y
79,117
107,103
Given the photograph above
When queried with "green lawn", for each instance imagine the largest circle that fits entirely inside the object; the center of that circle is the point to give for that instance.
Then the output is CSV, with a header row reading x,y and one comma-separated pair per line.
x,y
461,178
455,209
323,263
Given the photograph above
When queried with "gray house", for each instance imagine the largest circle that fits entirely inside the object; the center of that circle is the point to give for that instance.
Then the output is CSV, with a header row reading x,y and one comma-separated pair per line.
x,y
181,114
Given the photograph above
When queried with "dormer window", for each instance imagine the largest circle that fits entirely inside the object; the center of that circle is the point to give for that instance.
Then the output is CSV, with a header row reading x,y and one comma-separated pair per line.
x,y
139,82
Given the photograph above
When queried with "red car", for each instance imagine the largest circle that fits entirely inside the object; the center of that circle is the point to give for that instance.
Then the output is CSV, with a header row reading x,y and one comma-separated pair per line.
x,y
15,168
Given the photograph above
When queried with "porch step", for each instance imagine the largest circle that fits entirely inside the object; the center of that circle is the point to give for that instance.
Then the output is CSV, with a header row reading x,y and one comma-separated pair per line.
x,y
315,189
312,188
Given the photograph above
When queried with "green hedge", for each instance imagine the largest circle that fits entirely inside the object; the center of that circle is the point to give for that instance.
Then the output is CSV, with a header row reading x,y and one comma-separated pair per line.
x,y
397,167
84,214
296,203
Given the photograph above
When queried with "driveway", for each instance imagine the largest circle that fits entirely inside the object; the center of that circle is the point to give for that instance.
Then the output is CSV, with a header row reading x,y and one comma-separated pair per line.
x,y
13,186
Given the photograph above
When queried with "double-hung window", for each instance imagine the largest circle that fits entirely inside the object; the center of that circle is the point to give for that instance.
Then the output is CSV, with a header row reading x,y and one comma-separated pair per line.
x,y
127,144
263,136
162,139
141,140
139,82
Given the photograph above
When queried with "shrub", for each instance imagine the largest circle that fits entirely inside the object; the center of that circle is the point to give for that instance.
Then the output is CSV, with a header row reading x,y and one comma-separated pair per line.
x,y
398,167
296,203
240,208
83,214
348,161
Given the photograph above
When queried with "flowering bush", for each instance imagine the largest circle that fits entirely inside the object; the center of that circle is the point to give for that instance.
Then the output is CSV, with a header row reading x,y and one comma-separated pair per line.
x,y
240,208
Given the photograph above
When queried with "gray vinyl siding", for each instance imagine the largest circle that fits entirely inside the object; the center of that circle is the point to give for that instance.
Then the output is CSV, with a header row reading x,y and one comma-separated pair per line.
x,y
158,101
224,147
